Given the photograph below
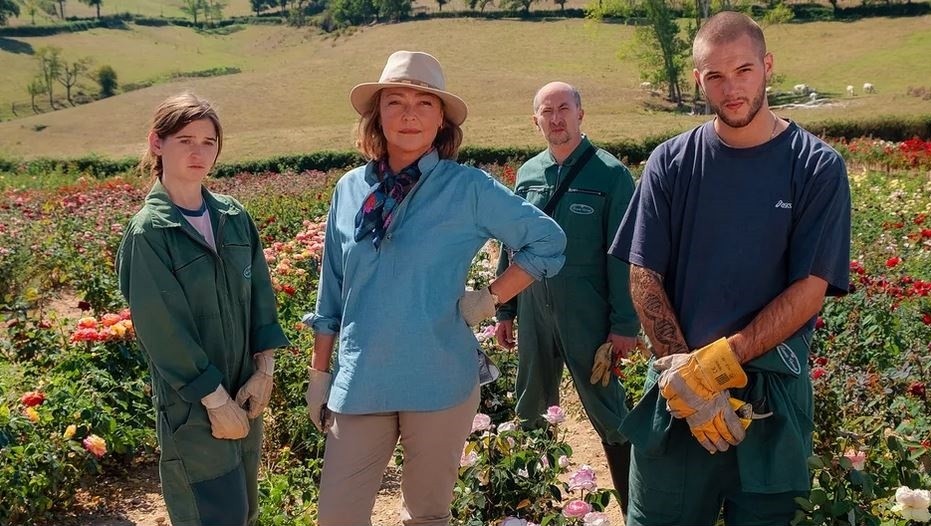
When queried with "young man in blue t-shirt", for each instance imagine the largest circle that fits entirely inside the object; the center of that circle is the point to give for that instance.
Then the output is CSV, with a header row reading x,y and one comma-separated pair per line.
x,y
735,234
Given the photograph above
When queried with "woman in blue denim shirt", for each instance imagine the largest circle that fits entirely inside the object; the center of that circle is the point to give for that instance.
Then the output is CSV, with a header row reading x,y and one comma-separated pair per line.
x,y
401,234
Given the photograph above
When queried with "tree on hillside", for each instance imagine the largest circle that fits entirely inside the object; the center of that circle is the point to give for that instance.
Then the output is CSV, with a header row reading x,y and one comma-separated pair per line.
x,y
8,8
61,9
94,3
481,4
352,12
261,5
393,10
71,73
562,4
515,5
660,48
106,79
441,3
34,7
35,88
213,10
193,8
50,66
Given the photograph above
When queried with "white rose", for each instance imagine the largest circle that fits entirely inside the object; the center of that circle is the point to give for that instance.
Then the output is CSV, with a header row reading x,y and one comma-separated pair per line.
x,y
912,504
507,426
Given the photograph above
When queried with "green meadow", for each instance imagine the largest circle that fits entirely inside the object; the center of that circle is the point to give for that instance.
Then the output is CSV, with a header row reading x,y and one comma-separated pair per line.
x,y
291,93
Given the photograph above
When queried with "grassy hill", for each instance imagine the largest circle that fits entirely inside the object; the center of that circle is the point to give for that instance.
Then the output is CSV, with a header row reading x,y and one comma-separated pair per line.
x,y
291,95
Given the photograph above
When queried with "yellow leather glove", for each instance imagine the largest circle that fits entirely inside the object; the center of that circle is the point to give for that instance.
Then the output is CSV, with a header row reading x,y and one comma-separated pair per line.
x,y
318,391
687,381
227,420
601,368
716,425
257,392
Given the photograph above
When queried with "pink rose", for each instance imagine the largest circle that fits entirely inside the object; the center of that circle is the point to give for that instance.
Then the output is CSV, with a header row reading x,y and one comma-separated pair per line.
x,y
596,518
857,458
576,509
554,415
481,422
583,479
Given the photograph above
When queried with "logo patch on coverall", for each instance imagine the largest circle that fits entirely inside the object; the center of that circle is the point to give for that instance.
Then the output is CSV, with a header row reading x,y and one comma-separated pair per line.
x,y
247,272
579,208
789,358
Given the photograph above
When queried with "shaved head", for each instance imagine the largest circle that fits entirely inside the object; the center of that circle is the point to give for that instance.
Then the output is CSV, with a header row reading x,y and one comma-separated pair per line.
x,y
724,28
555,87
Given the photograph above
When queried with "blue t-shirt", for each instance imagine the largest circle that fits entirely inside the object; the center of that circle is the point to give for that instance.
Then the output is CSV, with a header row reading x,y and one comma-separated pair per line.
x,y
730,229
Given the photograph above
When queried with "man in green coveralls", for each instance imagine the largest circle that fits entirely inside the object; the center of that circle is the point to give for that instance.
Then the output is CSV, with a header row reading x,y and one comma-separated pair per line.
x,y
567,318
736,232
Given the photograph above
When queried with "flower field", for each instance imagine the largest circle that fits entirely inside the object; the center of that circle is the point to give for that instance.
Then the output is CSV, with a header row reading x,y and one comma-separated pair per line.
x,y
75,402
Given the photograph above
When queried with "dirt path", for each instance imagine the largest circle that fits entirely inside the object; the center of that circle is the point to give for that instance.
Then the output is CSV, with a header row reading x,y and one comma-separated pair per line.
x,y
136,500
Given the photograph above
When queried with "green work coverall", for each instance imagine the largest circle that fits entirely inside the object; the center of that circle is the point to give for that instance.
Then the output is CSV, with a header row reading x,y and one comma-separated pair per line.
x,y
565,318
200,314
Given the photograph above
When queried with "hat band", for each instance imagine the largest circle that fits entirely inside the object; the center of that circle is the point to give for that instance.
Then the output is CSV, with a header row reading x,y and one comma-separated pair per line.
x,y
413,82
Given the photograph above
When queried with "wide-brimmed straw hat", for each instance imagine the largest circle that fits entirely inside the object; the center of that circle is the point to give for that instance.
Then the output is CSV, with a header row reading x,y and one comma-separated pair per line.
x,y
411,69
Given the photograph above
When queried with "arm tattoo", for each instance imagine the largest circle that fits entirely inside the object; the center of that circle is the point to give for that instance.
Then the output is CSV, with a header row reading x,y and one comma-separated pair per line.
x,y
655,311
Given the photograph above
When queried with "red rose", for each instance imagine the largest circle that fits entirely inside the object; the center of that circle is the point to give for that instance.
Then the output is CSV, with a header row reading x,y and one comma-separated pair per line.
x,y
917,389
821,361
817,372
926,319
33,398
893,261
819,323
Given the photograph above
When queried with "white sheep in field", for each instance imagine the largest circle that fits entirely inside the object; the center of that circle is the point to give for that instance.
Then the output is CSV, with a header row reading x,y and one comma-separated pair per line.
x,y
801,89
646,85
769,89
868,87
850,92
813,96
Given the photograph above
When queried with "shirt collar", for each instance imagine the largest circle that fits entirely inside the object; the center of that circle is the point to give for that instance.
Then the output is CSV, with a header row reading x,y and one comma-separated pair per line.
x,y
165,214
549,160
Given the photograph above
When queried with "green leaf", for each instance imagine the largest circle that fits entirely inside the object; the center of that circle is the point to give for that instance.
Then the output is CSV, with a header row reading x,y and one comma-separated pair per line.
x,y
818,496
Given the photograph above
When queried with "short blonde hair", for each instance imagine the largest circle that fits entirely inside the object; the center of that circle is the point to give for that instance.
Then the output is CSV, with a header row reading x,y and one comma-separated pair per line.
x,y
372,144
171,116
724,28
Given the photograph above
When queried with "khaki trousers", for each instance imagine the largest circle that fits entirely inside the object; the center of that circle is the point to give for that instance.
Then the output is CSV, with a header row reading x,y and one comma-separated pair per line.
x,y
359,447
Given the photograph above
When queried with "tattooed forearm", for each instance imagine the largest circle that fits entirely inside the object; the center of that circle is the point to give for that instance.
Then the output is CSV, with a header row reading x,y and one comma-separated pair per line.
x,y
655,311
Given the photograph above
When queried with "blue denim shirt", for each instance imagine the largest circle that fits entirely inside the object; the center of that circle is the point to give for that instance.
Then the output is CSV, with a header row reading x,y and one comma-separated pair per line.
x,y
403,344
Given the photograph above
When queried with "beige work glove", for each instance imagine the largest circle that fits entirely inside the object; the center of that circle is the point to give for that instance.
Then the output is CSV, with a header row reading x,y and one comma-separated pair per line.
x,y
227,420
318,391
716,425
604,362
256,393
477,305
688,381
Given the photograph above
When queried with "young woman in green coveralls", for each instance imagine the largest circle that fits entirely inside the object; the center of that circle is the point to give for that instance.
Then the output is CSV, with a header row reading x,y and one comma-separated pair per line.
x,y
192,269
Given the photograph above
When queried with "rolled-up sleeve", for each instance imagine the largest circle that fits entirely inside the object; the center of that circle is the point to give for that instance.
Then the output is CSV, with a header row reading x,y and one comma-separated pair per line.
x,y
535,241
329,313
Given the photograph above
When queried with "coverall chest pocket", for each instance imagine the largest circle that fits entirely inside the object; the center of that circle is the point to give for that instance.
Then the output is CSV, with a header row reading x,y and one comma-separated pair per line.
x,y
582,214
238,257
196,273
535,195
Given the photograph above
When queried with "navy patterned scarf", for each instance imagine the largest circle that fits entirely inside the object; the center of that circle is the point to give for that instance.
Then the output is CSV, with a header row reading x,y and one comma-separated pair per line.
x,y
377,210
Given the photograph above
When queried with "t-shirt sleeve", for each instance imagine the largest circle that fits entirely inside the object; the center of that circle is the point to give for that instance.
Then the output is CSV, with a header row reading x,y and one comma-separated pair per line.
x,y
643,236
820,241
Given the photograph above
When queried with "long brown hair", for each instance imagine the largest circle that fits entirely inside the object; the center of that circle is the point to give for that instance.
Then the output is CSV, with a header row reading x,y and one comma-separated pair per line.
x,y
371,142
171,116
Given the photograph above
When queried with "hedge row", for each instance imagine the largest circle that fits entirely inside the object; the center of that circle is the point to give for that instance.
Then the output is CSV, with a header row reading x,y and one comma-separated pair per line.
x,y
803,13
630,151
